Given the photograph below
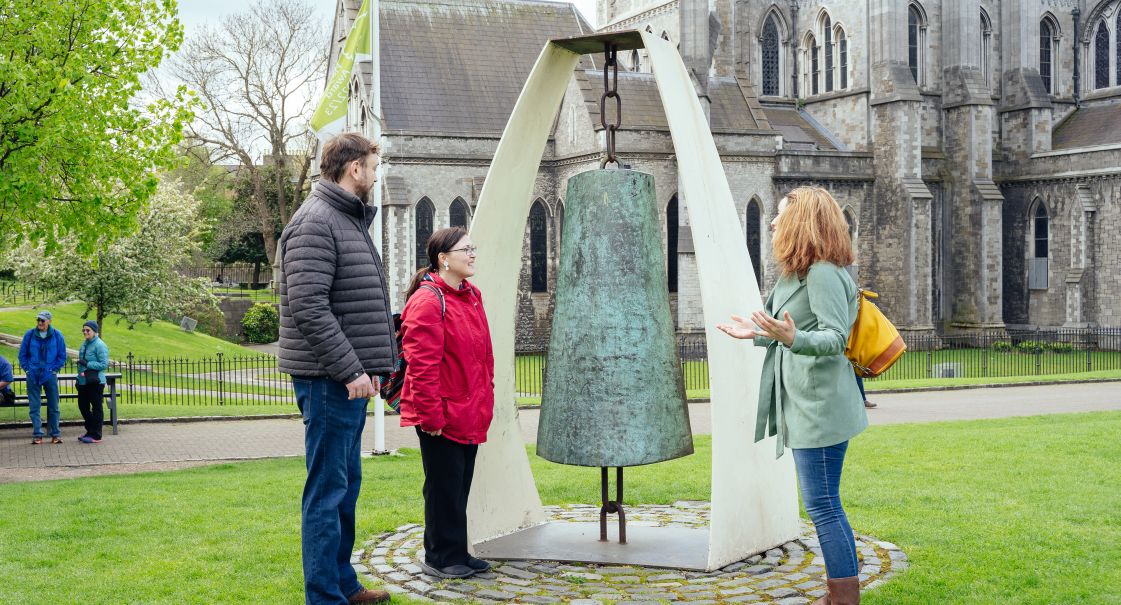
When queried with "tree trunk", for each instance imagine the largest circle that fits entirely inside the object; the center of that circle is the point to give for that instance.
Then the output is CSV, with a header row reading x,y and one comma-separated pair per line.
x,y
100,321
256,272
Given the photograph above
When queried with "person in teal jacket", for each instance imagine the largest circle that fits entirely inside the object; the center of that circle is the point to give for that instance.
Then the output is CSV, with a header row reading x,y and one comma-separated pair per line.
x,y
93,359
808,396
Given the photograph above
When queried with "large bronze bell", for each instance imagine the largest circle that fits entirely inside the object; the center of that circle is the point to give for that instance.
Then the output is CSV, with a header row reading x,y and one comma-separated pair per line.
x,y
613,392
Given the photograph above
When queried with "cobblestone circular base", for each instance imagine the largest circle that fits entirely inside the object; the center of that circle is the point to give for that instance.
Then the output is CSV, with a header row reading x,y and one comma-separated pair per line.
x,y
792,574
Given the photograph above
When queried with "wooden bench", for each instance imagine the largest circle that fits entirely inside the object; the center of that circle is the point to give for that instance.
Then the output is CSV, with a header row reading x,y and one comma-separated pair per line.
x,y
110,398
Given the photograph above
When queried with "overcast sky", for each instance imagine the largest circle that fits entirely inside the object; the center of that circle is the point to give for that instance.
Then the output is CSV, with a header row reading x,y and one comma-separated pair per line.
x,y
194,13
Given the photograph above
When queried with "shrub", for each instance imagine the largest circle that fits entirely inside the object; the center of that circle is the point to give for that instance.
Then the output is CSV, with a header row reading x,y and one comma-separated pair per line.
x,y
1002,345
1060,347
261,324
1032,346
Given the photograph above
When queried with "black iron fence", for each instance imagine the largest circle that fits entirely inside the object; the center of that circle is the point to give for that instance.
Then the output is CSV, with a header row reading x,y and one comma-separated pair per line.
x,y
229,380
15,293
230,274
218,380
1005,354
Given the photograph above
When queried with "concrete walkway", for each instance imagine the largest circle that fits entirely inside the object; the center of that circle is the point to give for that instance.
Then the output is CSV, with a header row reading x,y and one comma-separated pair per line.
x,y
159,446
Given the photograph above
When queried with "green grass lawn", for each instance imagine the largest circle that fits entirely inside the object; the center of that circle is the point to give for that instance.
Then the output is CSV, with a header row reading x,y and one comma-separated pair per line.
x,y
1014,511
161,339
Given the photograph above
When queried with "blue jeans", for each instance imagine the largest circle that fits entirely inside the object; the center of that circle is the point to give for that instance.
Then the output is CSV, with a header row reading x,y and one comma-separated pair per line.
x,y
819,479
49,383
333,439
860,385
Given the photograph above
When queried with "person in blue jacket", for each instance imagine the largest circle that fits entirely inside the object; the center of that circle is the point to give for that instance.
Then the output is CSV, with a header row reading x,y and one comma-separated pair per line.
x,y
93,359
41,355
7,377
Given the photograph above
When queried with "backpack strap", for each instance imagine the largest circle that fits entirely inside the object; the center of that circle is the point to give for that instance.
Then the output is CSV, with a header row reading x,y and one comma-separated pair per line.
x,y
440,295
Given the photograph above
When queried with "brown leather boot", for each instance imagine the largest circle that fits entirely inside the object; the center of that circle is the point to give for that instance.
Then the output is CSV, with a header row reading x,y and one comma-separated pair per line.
x,y
369,596
844,591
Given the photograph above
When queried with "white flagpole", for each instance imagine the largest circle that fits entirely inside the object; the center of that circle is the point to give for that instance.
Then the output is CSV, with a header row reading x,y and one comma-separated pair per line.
x,y
375,108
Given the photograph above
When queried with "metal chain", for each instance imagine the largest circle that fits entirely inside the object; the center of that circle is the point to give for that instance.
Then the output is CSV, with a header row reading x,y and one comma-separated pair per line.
x,y
610,91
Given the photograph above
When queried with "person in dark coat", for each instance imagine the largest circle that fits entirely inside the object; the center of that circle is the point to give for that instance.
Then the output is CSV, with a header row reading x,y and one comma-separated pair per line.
x,y
448,394
336,334
42,353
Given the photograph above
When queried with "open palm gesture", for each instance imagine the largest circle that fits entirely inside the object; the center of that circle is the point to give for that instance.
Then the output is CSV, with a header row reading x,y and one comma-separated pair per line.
x,y
741,328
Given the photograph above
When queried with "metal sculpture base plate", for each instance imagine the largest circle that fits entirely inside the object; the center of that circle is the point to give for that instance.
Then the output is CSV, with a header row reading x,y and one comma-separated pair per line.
x,y
670,547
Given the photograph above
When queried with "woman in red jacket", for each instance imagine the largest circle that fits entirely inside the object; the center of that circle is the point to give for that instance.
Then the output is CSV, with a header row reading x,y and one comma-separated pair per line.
x,y
448,394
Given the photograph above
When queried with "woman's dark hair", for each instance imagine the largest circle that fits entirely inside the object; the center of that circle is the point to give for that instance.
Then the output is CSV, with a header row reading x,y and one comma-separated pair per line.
x,y
342,150
441,241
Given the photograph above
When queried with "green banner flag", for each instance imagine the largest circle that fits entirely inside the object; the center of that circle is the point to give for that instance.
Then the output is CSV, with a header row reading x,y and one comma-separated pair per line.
x,y
329,118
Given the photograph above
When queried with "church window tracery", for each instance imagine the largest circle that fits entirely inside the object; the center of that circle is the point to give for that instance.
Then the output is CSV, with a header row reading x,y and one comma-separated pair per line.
x,y
986,47
1101,57
671,244
770,57
815,67
828,35
1045,53
916,26
423,215
457,213
538,248
754,229
843,53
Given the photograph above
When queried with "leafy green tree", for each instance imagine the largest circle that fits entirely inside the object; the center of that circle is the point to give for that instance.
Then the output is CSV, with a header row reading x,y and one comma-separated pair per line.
x,y
78,155
133,276
257,75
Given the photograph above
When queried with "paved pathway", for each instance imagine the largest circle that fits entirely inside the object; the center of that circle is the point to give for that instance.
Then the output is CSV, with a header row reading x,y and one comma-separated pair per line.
x,y
150,445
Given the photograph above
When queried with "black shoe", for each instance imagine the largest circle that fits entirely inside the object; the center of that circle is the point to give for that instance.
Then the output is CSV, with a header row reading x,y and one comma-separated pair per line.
x,y
450,572
477,564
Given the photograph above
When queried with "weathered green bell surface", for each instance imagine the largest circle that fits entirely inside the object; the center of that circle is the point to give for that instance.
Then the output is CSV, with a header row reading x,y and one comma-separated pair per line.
x,y
613,393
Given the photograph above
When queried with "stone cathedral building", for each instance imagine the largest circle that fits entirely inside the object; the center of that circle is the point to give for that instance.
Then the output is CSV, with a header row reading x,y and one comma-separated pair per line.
x,y
974,146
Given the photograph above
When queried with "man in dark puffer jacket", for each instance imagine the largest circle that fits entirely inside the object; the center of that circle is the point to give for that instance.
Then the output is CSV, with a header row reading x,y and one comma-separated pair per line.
x,y
335,334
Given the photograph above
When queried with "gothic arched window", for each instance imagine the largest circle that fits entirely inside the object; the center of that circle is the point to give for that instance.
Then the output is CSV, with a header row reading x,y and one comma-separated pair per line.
x,y
1046,35
671,244
843,52
770,58
815,67
828,34
1101,57
1117,33
560,222
914,50
986,47
1041,231
423,214
457,213
755,238
538,248
636,64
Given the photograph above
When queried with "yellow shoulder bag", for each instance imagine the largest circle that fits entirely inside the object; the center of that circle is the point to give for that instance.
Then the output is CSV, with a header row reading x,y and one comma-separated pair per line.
x,y
874,343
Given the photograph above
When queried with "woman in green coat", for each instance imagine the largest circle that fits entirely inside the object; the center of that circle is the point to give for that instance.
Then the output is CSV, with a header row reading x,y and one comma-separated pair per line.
x,y
808,396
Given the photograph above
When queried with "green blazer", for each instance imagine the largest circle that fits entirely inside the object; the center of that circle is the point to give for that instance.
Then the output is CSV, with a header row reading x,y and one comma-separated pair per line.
x,y
808,394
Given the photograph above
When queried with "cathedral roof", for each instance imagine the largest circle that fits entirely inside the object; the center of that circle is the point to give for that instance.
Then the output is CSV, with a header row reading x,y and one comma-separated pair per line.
x,y
642,105
1089,126
457,66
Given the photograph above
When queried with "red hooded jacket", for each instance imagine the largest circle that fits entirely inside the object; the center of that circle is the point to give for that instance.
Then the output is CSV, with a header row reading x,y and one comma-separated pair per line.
x,y
449,380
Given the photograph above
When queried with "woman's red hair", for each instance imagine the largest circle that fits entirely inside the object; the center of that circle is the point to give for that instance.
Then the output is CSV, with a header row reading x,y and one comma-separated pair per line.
x,y
811,228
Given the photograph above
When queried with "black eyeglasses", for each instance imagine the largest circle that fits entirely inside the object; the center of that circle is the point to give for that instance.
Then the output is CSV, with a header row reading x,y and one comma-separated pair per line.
x,y
40,320
470,250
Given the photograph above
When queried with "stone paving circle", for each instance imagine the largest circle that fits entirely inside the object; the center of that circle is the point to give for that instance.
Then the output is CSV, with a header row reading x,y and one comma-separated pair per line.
x,y
792,574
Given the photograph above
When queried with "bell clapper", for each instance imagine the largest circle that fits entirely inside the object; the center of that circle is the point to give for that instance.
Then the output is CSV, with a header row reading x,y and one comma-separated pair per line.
x,y
612,506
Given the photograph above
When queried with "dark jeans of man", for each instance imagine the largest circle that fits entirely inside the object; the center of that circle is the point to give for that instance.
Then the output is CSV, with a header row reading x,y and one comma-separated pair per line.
x,y
860,385
35,391
819,479
448,469
90,397
333,439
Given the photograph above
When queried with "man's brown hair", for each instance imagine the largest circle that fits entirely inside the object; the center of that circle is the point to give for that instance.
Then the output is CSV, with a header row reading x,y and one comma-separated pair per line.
x,y
341,151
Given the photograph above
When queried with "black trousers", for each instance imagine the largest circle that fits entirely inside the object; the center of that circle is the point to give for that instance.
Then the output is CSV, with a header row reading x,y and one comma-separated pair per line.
x,y
448,469
89,404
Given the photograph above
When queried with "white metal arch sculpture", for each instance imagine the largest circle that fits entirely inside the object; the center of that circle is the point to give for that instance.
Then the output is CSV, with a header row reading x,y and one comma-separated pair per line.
x,y
754,502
